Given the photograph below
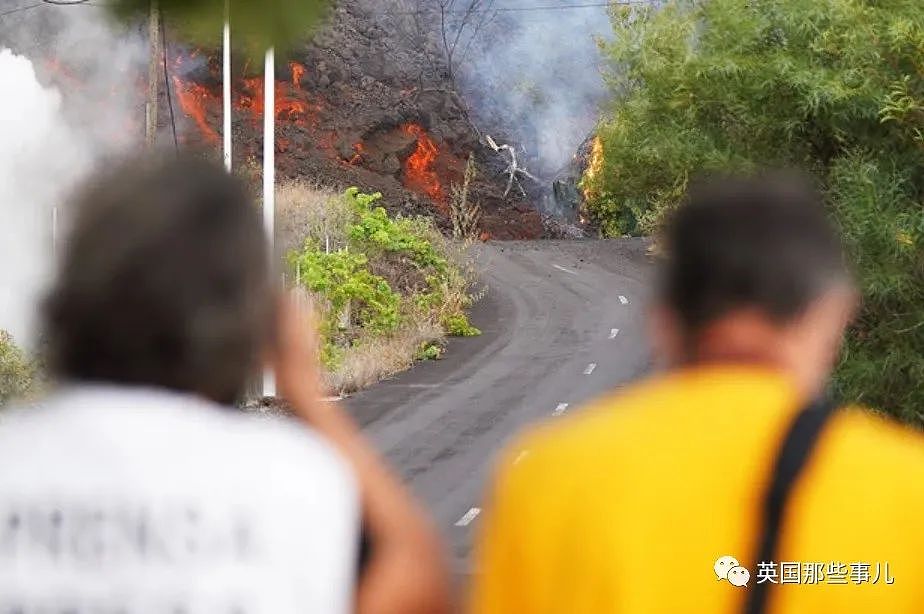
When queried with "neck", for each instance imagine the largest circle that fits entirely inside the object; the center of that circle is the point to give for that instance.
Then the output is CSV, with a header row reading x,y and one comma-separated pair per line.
x,y
747,341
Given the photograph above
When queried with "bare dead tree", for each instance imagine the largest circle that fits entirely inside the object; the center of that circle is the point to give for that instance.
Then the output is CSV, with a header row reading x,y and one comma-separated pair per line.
x,y
460,24
465,213
513,168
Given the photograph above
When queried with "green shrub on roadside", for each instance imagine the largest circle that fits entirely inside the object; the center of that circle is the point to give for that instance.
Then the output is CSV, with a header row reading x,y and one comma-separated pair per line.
x,y
458,325
408,236
386,277
429,351
835,87
17,372
343,279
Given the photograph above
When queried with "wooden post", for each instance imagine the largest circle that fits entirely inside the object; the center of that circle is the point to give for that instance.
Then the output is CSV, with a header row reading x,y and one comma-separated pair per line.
x,y
150,119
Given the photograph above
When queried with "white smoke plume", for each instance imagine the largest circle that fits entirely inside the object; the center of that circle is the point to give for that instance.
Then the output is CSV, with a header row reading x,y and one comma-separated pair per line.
x,y
68,99
536,66
40,156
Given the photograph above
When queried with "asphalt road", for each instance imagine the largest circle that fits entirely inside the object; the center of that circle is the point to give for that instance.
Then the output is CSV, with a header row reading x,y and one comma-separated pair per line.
x,y
562,322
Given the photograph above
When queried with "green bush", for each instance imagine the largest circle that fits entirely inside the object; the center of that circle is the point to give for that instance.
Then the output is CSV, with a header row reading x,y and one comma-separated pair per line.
x,y
17,372
457,324
376,230
389,273
832,86
343,279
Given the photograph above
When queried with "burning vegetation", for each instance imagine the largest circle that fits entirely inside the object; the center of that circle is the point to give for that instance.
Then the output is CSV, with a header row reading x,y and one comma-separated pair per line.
x,y
594,167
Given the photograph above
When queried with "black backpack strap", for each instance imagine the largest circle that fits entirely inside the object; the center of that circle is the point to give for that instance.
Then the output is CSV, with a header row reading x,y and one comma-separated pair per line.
x,y
791,459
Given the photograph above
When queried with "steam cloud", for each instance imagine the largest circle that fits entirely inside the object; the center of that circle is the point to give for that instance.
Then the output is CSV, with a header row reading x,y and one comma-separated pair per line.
x,y
39,156
67,99
538,69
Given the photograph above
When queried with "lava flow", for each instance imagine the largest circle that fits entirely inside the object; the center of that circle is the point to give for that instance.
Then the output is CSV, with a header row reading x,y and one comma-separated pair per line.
x,y
288,108
360,149
195,100
418,168
201,104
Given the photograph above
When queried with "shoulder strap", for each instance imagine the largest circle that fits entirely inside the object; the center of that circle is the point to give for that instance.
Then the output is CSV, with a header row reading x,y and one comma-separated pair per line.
x,y
791,459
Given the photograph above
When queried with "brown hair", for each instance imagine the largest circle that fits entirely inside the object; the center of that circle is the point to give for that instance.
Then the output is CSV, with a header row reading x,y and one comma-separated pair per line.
x,y
164,281
761,242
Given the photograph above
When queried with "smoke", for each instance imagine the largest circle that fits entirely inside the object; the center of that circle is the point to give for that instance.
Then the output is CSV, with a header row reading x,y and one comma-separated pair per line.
x,y
68,99
535,67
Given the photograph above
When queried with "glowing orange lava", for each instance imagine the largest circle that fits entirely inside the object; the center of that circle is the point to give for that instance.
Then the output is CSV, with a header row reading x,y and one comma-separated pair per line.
x,y
298,71
360,149
195,100
288,108
418,168
202,103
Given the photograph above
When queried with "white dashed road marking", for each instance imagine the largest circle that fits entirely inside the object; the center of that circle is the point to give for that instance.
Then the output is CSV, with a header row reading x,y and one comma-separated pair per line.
x,y
623,300
590,368
422,386
468,517
561,268
560,409
613,333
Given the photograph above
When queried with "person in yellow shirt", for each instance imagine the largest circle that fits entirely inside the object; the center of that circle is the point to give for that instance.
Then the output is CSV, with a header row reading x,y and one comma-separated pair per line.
x,y
726,483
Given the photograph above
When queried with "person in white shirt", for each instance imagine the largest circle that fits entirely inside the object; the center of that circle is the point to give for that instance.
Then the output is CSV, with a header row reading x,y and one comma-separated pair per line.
x,y
136,487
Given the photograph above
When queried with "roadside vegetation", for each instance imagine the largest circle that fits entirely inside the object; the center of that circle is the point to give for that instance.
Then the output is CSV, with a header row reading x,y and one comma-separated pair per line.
x,y
835,87
18,373
388,289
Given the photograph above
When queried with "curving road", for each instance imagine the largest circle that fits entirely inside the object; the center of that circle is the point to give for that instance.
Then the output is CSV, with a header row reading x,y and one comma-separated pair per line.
x,y
563,322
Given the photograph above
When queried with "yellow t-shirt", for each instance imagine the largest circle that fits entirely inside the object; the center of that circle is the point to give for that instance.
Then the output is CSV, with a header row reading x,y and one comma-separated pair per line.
x,y
627,505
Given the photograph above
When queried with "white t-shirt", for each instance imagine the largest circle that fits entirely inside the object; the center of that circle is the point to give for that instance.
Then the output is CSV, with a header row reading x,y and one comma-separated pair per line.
x,y
140,501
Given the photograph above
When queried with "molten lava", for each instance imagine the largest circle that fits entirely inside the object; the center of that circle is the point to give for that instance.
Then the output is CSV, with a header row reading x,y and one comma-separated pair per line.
x,y
200,103
418,168
360,149
288,108
298,71
195,100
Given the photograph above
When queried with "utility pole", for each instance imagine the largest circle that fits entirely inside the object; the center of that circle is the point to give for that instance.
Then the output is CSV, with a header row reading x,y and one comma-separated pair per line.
x,y
150,116
269,177
226,88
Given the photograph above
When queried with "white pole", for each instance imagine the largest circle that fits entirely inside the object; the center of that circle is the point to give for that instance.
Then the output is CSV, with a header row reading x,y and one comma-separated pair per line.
x,y
54,231
226,88
269,176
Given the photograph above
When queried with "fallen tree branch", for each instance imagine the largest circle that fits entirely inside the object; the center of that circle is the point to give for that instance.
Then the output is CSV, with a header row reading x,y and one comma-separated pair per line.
x,y
513,168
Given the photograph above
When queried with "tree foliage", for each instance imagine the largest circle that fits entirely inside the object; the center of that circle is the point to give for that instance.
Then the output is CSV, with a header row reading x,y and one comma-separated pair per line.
x,y
832,86
258,24
390,270
17,372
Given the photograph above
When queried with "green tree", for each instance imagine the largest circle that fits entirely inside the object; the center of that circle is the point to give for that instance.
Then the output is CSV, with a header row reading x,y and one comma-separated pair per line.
x,y
258,23
832,86
17,372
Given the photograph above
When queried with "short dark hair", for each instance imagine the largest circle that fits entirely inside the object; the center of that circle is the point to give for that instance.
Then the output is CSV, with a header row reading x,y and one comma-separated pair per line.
x,y
164,281
762,242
